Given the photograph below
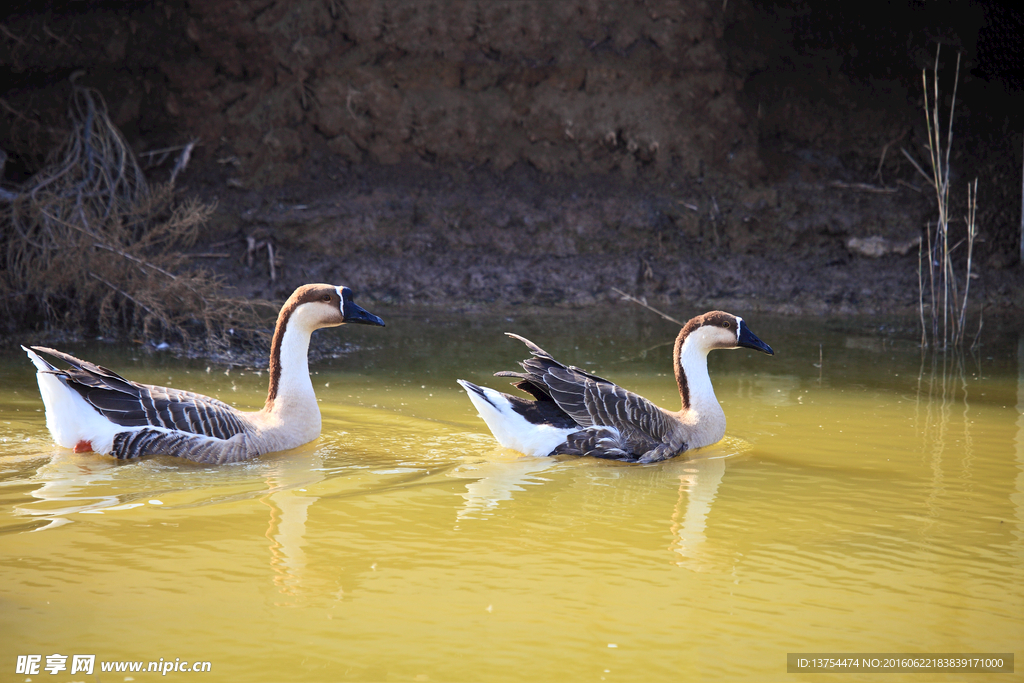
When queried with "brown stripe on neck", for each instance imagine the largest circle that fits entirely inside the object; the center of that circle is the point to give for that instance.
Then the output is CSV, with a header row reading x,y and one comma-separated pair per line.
x,y
684,388
677,361
275,347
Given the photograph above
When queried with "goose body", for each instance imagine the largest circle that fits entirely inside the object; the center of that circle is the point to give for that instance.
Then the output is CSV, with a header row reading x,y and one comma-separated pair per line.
x,y
575,412
91,408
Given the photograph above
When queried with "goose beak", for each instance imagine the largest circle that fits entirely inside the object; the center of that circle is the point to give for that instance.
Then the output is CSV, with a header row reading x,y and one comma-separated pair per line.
x,y
749,340
352,313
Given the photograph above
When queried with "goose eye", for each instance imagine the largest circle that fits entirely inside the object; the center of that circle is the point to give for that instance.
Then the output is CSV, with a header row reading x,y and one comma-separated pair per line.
x,y
327,297
727,325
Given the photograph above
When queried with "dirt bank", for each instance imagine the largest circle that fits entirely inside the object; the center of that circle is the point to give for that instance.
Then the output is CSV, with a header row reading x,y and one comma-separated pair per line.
x,y
741,154
450,237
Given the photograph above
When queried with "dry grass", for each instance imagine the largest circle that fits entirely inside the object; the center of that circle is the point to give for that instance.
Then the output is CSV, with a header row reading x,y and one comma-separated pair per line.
x,y
944,297
92,247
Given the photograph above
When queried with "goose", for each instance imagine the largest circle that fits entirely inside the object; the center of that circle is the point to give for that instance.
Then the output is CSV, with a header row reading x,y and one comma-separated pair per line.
x,y
91,408
574,412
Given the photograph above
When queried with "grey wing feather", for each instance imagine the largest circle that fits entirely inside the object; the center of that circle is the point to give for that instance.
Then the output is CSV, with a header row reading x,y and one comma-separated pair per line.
x,y
534,380
641,424
534,349
131,404
596,442
542,360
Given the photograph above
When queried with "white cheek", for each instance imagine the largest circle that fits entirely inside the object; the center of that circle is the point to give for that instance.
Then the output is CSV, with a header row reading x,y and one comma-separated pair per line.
x,y
700,341
341,301
739,326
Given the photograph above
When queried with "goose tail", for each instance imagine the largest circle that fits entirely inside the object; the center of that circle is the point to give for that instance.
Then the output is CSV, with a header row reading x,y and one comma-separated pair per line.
x,y
72,422
517,423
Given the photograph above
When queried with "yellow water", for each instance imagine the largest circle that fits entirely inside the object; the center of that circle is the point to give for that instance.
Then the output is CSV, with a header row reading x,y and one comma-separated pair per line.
x,y
863,500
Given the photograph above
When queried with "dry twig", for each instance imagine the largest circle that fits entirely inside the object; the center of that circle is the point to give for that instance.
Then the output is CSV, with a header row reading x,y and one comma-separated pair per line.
x,y
863,187
629,297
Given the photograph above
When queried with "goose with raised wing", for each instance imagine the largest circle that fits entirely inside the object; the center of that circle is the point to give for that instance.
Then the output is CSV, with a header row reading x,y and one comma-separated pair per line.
x,y
575,412
91,408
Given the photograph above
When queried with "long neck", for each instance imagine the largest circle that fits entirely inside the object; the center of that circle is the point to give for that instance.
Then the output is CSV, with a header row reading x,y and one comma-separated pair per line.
x,y
695,390
290,385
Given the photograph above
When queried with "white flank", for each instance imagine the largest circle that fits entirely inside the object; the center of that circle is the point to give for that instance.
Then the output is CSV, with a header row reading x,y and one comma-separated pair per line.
x,y
510,428
69,417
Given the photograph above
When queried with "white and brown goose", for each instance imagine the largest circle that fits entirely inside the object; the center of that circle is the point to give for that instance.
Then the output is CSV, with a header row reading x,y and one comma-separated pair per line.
x,y
91,408
577,413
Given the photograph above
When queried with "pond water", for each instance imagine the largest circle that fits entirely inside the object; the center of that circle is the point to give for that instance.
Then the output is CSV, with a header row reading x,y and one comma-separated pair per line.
x,y
866,499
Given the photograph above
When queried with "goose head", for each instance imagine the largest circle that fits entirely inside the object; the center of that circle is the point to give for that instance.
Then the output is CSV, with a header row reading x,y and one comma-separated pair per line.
x,y
312,307
699,336
309,308
720,330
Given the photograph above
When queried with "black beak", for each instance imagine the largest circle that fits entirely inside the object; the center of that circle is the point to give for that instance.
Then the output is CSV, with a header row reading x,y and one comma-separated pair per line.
x,y
353,313
749,340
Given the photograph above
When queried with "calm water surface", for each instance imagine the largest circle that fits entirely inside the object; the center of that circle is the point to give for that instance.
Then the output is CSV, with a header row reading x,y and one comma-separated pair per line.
x,y
863,500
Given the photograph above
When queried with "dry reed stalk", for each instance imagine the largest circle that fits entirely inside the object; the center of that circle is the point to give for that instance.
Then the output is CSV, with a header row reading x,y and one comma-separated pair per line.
x,y
920,288
91,246
943,280
972,232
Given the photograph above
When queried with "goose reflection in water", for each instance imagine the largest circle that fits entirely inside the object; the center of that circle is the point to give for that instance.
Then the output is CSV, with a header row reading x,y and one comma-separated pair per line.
x,y
699,480
496,479
67,484
288,499
72,484
507,473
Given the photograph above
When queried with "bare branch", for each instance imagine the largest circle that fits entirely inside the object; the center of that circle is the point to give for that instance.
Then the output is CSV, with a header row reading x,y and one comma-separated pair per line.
x,y
629,297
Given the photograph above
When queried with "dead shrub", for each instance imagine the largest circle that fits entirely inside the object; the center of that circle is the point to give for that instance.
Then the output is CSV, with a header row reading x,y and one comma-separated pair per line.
x,y
92,247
